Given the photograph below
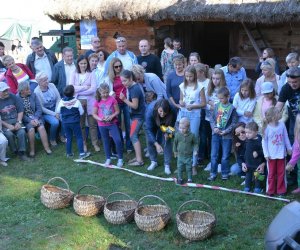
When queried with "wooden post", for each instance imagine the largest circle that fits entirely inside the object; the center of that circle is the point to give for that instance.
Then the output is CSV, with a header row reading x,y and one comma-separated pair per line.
x,y
252,40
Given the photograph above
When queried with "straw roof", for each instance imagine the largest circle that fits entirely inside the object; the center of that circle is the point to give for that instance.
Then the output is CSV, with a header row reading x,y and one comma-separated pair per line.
x,y
253,11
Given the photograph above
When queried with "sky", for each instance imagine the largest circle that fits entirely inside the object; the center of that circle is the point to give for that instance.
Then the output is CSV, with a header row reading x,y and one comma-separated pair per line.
x,y
26,12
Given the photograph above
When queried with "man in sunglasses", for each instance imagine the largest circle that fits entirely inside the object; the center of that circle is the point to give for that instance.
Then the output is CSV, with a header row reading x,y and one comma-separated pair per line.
x,y
290,93
127,57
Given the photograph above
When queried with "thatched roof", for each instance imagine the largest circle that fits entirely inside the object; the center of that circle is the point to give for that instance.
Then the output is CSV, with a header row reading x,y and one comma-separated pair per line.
x,y
254,11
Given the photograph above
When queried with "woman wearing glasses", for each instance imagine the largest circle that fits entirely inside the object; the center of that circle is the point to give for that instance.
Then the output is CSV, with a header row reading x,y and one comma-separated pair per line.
x,y
116,88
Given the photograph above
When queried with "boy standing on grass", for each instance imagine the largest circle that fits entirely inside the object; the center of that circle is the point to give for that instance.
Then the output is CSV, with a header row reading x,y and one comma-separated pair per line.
x,y
254,158
185,147
222,121
70,110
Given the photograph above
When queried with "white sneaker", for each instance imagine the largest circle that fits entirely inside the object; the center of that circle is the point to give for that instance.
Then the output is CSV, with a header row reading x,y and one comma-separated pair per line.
x,y
167,170
152,166
207,167
120,163
107,163
243,183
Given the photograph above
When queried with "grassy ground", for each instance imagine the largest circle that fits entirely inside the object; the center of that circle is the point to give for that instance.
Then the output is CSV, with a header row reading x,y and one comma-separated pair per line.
x,y
26,224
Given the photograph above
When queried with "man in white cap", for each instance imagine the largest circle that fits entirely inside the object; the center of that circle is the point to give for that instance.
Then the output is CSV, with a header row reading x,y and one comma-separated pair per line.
x,y
11,112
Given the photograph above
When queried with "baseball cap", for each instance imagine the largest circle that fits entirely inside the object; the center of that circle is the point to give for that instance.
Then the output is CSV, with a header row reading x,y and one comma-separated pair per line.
x,y
3,86
267,87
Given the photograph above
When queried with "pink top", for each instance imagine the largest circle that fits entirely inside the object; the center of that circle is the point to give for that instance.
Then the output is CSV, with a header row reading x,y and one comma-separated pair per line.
x,y
265,105
118,87
105,108
295,153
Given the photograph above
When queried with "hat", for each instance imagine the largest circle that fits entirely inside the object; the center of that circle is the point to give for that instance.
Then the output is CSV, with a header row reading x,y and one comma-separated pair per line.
x,y
267,87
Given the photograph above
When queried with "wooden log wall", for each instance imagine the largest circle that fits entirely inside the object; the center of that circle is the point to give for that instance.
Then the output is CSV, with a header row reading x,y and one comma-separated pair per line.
x,y
283,39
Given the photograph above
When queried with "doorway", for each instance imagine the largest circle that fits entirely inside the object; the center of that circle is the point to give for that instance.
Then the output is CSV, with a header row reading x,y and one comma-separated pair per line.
x,y
210,40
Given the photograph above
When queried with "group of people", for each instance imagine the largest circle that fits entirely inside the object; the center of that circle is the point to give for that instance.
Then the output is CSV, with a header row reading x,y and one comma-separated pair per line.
x,y
184,107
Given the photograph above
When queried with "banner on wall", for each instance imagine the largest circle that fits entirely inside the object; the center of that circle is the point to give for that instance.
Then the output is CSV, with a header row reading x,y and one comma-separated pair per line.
x,y
88,29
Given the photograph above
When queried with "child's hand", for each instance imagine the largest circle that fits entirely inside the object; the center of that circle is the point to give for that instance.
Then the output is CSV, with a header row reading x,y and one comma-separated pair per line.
x,y
289,152
289,167
244,167
216,130
238,144
248,114
159,148
221,133
182,103
175,154
122,96
267,158
260,168
255,154
189,107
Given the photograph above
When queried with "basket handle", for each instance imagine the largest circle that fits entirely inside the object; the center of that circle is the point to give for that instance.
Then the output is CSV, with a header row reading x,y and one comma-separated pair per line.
x,y
61,180
201,202
119,193
152,196
87,186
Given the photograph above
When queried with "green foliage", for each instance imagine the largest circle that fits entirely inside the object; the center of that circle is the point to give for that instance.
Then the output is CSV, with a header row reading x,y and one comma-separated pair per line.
x,y
26,224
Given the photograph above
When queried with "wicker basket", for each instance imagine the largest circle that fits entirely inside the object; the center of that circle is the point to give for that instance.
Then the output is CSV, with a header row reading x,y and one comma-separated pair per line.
x,y
152,218
119,211
55,197
87,204
195,224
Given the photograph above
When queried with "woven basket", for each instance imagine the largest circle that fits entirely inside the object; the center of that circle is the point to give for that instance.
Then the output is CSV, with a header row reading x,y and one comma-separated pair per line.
x,y
195,224
87,204
151,218
119,211
55,197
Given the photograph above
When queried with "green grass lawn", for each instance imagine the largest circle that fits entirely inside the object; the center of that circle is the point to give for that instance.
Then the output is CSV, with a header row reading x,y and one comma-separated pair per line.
x,y
26,224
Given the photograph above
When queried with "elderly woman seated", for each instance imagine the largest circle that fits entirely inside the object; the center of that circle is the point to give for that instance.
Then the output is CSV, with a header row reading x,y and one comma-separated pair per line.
x,y
32,118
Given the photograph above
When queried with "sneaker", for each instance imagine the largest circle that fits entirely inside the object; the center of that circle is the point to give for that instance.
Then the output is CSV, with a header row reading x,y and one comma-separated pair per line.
x,y
97,148
208,167
258,190
3,163
120,163
243,183
84,155
296,191
247,189
23,157
189,181
70,155
152,166
224,177
167,170
107,163
212,178
179,181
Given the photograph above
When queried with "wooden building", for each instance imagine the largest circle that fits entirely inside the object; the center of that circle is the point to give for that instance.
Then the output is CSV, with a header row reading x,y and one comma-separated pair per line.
x,y
216,29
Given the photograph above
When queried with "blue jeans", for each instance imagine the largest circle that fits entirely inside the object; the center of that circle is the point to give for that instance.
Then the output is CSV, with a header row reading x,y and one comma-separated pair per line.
x,y
166,145
226,144
126,115
112,131
54,125
70,129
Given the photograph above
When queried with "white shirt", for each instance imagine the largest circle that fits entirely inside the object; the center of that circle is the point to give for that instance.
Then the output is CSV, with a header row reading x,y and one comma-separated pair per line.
x,y
42,64
126,61
243,105
69,69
